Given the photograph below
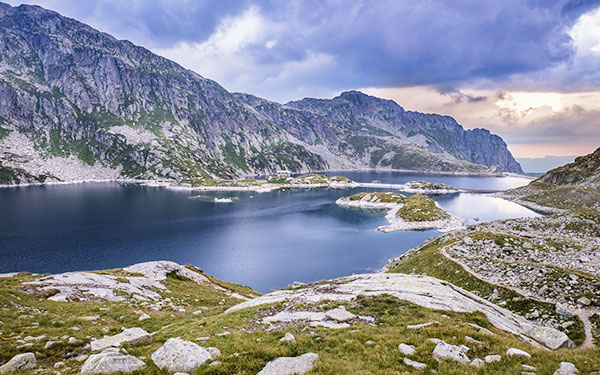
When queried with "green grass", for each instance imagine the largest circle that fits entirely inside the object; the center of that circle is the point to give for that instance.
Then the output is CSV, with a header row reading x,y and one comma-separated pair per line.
x,y
379,197
250,346
570,197
421,208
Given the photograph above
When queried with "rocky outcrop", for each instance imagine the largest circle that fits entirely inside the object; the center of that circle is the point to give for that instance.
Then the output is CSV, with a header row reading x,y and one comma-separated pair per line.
x,y
109,109
142,282
421,290
585,170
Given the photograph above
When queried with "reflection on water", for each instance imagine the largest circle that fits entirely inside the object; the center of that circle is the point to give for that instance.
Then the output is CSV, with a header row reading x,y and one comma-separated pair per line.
x,y
263,240
469,206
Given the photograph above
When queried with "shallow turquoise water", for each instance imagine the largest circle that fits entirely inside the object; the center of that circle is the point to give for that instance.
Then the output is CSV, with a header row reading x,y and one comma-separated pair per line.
x,y
265,240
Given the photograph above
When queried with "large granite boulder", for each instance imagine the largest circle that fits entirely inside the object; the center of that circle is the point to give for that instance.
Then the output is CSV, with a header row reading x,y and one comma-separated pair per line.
x,y
552,338
19,362
110,362
178,355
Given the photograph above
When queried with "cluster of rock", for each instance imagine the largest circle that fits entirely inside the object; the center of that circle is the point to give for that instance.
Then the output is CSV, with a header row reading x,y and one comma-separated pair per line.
x,y
175,356
334,319
448,352
141,282
552,258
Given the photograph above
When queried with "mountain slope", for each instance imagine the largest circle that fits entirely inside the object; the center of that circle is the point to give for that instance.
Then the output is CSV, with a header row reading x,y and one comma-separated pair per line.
x,y
77,104
574,187
585,170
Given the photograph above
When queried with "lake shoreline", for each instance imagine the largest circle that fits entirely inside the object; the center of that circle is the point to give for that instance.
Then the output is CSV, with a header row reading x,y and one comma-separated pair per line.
x,y
158,181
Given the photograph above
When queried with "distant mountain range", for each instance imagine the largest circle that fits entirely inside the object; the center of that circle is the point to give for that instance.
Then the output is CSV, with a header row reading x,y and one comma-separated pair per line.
x,y
544,164
76,104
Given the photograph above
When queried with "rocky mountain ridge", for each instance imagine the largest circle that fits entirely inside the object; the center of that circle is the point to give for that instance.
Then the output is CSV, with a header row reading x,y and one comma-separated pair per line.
x,y
585,170
79,104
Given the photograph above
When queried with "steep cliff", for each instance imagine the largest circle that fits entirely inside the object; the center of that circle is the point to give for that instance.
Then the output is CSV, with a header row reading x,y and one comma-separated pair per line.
x,y
76,103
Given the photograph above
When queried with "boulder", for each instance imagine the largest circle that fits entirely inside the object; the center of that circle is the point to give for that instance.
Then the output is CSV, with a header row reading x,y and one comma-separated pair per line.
x,y
563,312
19,362
288,337
492,358
290,365
566,368
407,349
414,364
178,355
552,338
446,351
477,362
528,368
422,325
339,314
143,317
584,301
130,336
110,362
514,352
471,340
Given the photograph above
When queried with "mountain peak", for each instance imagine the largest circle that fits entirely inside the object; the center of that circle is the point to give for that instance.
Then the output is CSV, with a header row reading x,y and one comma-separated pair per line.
x,y
360,98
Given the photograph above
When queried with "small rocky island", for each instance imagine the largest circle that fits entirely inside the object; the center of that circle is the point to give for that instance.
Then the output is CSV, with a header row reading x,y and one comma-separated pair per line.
x,y
429,188
415,212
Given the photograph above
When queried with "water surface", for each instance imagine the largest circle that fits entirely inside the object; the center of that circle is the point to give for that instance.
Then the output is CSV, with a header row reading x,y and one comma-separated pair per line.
x,y
265,240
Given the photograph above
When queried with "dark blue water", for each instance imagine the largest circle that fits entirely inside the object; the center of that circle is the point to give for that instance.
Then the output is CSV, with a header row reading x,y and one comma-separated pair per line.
x,y
263,240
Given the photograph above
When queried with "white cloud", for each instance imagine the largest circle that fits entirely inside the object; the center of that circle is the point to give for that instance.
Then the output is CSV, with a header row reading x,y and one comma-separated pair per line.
x,y
586,34
230,57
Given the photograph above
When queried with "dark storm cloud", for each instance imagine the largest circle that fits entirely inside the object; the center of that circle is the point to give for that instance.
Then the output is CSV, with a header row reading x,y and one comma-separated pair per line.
x,y
372,43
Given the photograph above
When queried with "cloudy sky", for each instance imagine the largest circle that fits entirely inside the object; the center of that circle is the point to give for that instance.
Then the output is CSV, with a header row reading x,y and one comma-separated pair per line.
x,y
529,70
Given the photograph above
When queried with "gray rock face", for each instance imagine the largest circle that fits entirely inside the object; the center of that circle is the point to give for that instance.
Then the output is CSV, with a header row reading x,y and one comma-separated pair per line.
x,y
111,362
130,336
66,86
19,362
180,355
290,365
444,351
